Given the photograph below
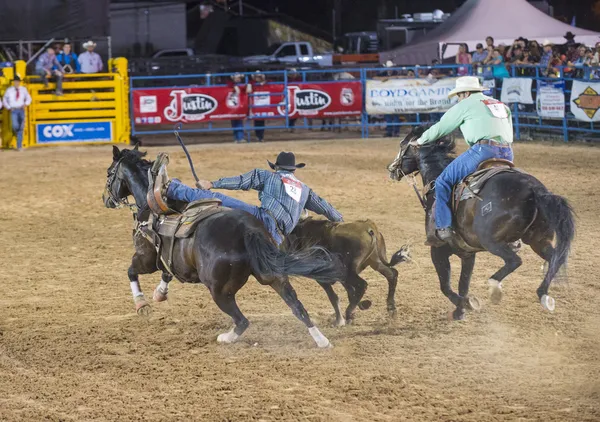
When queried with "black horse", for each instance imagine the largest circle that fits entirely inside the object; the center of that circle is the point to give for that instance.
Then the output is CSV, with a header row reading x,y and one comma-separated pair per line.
x,y
224,251
511,206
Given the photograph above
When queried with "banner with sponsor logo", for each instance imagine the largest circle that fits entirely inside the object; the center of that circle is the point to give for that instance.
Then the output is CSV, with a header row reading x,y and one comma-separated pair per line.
x,y
202,104
516,90
551,99
326,100
74,132
396,96
585,101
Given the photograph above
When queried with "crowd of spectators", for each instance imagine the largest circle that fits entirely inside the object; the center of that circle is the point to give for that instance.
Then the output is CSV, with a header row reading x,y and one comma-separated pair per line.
x,y
566,59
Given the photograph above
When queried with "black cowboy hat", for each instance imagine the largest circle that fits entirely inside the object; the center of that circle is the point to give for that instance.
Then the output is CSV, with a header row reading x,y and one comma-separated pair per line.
x,y
286,161
17,78
569,35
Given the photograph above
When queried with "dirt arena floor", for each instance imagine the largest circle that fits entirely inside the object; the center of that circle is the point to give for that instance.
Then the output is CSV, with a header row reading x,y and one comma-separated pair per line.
x,y
72,347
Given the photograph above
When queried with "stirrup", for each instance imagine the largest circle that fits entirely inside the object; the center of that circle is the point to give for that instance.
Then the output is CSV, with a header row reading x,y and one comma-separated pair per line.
x,y
158,179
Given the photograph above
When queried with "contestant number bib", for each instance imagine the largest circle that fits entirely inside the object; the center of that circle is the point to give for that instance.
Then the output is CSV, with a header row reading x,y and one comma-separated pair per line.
x,y
293,188
497,108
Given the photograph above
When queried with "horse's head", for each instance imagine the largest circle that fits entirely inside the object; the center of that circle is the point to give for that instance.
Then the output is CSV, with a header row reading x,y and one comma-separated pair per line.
x,y
413,158
123,176
407,160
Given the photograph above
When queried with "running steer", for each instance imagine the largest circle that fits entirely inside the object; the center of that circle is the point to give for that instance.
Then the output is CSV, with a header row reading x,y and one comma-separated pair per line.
x,y
359,245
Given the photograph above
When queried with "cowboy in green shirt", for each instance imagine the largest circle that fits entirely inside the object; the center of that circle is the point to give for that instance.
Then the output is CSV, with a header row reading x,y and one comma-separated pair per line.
x,y
486,125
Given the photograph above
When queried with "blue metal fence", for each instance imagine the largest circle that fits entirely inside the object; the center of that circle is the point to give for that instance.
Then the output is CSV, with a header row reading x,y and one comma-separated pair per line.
x,y
525,116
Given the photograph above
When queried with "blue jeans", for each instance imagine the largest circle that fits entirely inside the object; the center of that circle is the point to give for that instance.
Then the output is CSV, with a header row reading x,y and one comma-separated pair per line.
x,y
180,192
238,130
17,117
392,128
461,167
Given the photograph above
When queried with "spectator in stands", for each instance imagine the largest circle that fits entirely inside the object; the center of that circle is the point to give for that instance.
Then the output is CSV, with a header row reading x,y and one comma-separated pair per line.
x,y
48,67
557,61
259,124
16,98
392,121
578,63
410,74
570,37
234,99
534,51
90,61
463,57
596,59
68,59
498,65
480,54
546,57
489,41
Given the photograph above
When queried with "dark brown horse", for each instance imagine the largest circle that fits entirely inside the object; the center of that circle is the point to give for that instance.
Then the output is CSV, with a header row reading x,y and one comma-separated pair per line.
x,y
225,250
359,244
511,206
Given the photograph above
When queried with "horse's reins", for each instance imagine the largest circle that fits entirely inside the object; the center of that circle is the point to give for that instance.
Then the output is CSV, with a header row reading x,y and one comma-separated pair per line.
x,y
185,150
411,179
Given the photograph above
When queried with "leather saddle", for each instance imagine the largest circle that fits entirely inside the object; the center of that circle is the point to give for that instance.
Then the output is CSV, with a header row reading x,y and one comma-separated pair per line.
x,y
471,185
182,225
469,188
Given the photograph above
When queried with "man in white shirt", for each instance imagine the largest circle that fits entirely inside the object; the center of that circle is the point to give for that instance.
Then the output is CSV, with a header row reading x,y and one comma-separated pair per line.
x,y
16,98
90,61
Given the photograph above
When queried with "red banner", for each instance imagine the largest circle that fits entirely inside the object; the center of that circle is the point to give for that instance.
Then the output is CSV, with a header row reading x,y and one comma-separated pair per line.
x,y
204,104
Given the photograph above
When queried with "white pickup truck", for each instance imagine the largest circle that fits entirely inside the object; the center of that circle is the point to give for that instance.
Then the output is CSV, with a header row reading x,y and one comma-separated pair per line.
x,y
291,53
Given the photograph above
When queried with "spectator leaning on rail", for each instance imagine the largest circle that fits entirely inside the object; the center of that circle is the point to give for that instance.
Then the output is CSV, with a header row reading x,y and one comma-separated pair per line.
x,y
260,100
392,121
546,57
16,98
48,67
282,196
486,125
234,100
68,59
90,61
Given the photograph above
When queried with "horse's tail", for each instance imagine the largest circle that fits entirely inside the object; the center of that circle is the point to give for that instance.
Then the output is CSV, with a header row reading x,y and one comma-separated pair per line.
x,y
561,220
268,261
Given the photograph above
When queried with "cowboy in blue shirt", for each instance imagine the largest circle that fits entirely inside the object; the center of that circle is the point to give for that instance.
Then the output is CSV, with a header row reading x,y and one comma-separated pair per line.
x,y
68,60
282,195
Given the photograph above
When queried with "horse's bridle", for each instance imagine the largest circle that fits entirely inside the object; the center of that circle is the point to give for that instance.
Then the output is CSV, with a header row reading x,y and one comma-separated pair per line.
x,y
108,190
396,166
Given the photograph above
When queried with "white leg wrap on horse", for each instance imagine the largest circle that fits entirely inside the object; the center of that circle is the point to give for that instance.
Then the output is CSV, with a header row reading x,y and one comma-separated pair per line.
x,y
135,289
318,337
228,337
163,286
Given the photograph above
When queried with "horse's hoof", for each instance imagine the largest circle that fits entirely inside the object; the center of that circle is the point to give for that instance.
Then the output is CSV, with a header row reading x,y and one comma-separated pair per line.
x,y
392,313
142,307
364,305
548,303
319,338
456,315
495,291
159,295
472,303
339,323
228,337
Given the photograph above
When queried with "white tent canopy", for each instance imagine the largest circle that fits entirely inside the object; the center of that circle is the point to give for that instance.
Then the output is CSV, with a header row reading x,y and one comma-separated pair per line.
x,y
504,20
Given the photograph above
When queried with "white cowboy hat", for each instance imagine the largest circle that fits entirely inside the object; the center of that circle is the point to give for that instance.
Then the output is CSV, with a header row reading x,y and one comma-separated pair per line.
x,y
389,63
89,43
466,84
547,42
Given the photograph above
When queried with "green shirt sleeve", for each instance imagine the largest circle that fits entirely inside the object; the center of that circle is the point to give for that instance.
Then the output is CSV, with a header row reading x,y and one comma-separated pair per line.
x,y
450,121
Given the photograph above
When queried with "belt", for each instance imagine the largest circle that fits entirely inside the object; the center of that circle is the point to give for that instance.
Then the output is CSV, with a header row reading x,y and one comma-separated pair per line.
x,y
493,143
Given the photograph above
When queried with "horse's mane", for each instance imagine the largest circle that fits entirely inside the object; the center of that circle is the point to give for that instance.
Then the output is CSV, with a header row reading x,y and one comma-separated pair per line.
x,y
135,157
435,156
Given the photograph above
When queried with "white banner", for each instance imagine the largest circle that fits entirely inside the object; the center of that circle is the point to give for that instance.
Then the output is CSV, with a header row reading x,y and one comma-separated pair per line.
x,y
585,101
396,96
516,90
551,99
